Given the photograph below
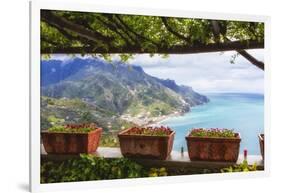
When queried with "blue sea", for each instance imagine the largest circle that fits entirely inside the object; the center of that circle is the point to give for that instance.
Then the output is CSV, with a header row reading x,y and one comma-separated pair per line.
x,y
242,112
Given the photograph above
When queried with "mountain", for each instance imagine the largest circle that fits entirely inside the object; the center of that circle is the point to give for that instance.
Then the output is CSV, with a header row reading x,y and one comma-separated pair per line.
x,y
121,90
191,97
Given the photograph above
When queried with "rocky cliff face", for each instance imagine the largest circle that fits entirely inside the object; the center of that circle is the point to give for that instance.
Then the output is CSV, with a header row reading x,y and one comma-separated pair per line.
x,y
119,89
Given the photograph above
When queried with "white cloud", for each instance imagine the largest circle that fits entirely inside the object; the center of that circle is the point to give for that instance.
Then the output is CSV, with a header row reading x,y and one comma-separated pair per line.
x,y
208,72
66,57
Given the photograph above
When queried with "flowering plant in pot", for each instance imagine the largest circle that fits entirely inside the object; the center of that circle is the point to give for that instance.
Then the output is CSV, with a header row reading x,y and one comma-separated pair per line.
x,y
71,139
213,145
149,142
261,141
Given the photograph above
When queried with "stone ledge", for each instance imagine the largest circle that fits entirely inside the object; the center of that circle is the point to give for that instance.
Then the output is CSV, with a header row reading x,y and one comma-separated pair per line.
x,y
176,159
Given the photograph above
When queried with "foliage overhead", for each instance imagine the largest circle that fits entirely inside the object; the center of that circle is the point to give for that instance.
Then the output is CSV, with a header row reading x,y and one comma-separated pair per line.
x,y
79,32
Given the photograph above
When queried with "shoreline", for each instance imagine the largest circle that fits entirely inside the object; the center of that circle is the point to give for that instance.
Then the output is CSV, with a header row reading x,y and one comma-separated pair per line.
x,y
174,114
158,120
152,121
145,121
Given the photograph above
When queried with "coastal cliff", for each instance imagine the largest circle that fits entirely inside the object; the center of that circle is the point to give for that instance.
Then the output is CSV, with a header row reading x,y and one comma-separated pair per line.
x,y
113,95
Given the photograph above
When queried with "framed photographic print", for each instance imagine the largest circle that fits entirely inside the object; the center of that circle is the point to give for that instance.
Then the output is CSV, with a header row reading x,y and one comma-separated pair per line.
x,y
125,95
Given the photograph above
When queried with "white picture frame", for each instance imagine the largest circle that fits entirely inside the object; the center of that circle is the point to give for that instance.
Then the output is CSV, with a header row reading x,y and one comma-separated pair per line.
x,y
89,6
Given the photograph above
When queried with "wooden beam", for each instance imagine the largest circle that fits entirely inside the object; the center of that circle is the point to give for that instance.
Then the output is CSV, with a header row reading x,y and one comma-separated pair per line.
x,y
251,59
245,54
63,23
181,49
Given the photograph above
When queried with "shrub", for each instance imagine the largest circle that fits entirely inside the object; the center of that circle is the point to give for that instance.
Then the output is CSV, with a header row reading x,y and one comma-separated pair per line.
x,y
73,128
213,132
108,140
155,172
243,167
89,167
152,131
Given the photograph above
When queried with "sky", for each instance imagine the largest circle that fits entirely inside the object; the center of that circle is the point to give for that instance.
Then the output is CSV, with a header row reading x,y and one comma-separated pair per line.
x,y
204,72
210,72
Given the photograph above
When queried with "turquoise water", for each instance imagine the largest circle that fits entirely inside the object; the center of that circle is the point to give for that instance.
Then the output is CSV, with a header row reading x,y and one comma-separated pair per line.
x,y
242,112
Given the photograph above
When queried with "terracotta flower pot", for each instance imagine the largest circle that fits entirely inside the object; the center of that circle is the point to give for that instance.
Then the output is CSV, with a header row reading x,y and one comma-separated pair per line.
x,y
261,140
71,143
213,149
145,146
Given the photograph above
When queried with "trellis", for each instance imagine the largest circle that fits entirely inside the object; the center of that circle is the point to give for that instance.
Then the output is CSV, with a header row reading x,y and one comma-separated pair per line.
x,y
99,33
